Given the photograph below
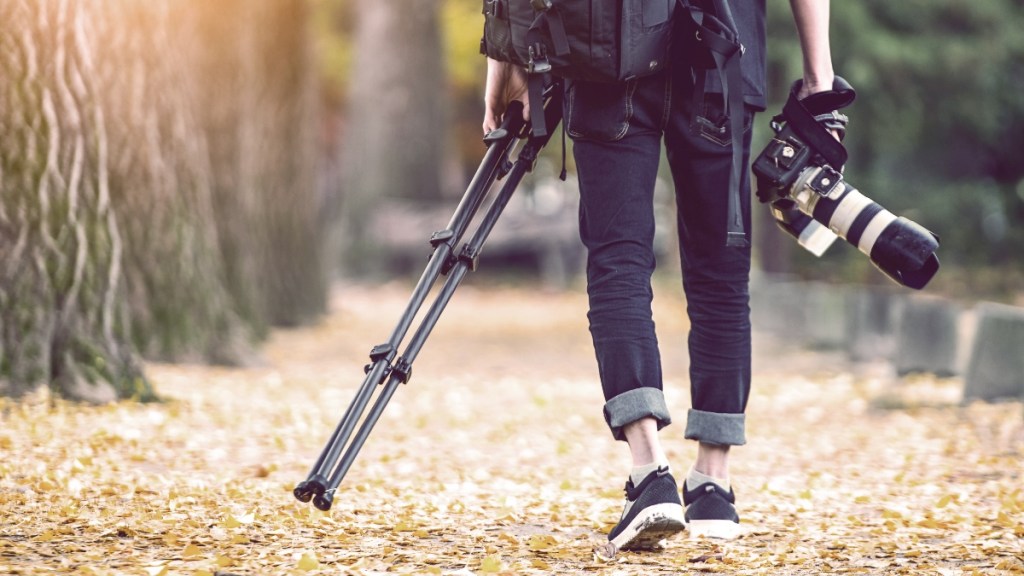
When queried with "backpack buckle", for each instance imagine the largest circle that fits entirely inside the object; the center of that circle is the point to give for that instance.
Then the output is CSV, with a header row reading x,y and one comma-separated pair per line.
x,y
538,60
541,5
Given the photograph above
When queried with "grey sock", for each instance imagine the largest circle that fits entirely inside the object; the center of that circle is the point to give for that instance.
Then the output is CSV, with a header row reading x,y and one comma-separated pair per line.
x,y
638,473
695,479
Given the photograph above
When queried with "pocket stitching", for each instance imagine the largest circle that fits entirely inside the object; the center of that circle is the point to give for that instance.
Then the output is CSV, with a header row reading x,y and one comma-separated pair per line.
x,y
630,89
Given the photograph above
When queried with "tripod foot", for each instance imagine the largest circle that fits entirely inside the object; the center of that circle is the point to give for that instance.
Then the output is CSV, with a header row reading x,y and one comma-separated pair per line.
x,y
302,492
324,501
312,486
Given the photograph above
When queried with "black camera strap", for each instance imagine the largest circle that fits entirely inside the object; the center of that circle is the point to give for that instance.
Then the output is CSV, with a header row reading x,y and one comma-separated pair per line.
x,y
804,116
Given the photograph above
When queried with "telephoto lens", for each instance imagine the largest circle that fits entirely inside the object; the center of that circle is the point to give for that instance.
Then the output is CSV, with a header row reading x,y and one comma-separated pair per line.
x,y
900,248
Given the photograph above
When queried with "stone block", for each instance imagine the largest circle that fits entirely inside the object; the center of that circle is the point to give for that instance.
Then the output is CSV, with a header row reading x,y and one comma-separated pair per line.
x,y
927,338
995,369
872,316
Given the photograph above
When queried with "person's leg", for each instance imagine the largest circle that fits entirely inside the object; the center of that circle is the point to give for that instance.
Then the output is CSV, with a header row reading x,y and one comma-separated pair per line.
x,y
715,280
617,145
617,154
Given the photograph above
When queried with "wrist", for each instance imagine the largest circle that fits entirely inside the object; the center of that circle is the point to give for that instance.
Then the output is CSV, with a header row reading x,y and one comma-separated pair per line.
x,y
818,82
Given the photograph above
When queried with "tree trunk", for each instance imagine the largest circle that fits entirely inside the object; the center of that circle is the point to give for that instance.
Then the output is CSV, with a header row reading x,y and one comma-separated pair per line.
x,y
61,290
259,113
396,134
143,207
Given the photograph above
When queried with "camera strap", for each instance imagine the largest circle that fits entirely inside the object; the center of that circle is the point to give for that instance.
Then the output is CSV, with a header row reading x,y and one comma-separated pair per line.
x,y
805,118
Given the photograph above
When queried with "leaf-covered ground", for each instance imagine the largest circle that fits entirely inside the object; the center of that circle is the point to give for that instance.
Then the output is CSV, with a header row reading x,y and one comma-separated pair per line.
x,y
494,459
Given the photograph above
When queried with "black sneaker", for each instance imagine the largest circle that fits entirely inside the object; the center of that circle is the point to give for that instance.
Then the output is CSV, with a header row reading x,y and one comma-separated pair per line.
x,y
711,512
653,512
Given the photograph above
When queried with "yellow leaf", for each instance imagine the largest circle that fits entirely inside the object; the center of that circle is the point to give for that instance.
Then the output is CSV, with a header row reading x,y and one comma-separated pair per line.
x,y
308,562
491,564
224,561
405,526
540,564
191,551
540,542
944,501
203,573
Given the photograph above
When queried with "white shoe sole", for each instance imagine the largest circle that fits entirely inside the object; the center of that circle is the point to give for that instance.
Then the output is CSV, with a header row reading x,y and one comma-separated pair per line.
x,y
652,525
721,529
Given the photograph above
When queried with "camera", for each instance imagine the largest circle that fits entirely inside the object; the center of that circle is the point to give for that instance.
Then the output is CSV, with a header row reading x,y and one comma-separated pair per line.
x,y
799,174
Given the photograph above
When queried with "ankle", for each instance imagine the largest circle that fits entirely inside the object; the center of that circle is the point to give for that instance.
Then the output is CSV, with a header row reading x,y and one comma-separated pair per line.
x,y
696,478
712,460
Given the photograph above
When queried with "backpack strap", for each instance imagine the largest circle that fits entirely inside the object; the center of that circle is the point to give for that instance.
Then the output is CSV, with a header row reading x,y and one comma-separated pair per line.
x,y
718,46
538,68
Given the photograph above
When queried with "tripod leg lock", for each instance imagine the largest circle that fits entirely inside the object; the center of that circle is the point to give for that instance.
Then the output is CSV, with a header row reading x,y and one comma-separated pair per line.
x,y
441,237
402,370
381,352
470,257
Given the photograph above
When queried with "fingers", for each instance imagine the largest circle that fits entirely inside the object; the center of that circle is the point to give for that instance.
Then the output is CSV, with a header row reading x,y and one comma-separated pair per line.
x,y
505,82
491,122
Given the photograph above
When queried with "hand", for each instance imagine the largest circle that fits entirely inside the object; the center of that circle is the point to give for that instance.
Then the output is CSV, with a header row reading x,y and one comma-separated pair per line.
x,y
810,86
505,82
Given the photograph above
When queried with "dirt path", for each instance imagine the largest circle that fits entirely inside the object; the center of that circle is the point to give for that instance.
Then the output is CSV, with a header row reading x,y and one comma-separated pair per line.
x,y
495,459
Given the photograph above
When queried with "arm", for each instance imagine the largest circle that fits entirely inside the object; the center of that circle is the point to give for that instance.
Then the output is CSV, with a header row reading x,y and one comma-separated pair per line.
x,y
505,82
812,22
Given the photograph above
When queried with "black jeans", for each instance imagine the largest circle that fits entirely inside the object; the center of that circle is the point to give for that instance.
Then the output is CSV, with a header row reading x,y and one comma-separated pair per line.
x,y
617,130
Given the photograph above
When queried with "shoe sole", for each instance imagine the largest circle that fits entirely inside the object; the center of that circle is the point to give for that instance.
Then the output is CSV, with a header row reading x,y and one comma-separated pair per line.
x,y
720,529
652,525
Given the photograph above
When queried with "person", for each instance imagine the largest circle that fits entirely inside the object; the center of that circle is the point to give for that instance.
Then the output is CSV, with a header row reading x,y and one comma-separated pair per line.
x,y
617,131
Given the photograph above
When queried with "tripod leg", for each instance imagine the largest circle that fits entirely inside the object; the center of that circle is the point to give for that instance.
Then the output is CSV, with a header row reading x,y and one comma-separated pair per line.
x,y
467,262
500,144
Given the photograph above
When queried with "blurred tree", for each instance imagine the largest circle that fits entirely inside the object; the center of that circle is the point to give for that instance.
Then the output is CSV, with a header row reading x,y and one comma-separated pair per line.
x,y
396,127
259,111
134,213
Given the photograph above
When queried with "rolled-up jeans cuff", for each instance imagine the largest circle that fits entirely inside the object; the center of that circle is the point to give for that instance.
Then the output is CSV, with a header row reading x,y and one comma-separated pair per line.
x,y
631,406
715,428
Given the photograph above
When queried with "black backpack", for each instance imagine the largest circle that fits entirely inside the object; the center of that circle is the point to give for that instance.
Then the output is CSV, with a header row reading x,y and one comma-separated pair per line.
x,y
598,40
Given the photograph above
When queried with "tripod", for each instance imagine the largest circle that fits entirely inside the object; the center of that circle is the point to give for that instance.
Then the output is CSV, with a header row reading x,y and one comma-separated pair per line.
x,y
386,367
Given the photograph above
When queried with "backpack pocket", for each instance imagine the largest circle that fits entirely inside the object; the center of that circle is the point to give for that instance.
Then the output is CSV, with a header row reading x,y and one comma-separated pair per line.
x,y
646,35
497,40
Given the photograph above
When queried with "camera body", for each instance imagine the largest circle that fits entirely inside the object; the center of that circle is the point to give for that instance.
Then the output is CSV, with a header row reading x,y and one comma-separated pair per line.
x,y
811,201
